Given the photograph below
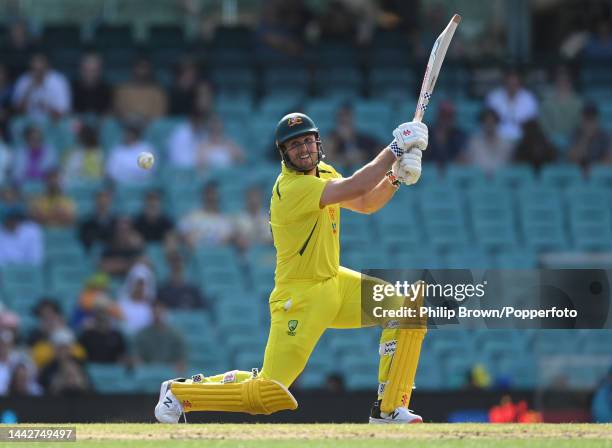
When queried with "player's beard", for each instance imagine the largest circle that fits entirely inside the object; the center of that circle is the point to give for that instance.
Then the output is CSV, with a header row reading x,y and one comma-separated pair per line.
x,y
308,163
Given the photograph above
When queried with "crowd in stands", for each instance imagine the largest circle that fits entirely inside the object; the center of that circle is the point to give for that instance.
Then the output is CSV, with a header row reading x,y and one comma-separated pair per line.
x,y
129,324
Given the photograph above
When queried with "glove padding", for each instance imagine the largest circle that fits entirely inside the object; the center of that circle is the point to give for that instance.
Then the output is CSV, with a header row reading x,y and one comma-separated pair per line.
x,y
413,134
407,169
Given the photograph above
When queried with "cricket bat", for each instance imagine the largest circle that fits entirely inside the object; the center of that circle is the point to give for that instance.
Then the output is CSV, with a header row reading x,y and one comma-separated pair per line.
x,y
436,57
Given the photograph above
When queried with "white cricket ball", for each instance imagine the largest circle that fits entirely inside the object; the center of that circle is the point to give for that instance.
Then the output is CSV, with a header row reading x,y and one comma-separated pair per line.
x,y
146,160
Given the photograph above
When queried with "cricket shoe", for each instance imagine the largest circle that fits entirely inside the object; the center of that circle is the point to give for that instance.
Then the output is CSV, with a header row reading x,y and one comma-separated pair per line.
x,y
400,415
168,408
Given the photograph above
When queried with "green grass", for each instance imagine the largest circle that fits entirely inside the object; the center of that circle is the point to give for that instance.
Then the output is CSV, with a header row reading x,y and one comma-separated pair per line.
x,y
337,436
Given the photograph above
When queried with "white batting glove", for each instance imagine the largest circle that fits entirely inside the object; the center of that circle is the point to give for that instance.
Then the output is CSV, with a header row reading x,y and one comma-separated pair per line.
x,y
413,134
407,169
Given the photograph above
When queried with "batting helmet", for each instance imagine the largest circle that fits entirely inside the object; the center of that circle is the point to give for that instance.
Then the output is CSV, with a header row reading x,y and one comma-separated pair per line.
x,y
294,125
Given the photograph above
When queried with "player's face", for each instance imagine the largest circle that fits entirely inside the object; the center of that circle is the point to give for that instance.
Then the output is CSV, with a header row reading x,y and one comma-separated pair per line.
x,y
303,151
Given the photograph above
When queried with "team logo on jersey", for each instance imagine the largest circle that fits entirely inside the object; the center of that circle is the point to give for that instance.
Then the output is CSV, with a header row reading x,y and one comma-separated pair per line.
x,y
293,121
332,216
292,325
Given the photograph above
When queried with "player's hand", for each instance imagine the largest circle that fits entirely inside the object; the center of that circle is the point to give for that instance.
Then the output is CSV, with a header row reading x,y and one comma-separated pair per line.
x,y
407,169
413,134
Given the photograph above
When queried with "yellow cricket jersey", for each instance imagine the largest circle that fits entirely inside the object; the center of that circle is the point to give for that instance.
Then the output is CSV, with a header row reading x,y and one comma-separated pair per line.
x,y
306,236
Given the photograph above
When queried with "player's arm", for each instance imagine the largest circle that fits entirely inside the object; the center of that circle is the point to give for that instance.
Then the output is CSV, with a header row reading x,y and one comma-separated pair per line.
x,y
374,200
366,179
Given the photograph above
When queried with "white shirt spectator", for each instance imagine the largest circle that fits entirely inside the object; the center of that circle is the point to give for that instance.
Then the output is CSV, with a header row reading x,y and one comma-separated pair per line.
x,y
513,112
183,145
206,227
23,245
52,94
122,166
136,315
135,298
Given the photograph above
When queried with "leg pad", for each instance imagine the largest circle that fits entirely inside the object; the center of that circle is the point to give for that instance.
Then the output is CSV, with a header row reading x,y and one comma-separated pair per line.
x,y
253,396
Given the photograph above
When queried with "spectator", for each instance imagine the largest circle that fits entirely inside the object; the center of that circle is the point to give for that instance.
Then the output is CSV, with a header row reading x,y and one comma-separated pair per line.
x,y
160,343
23,382
6,95
92,95
534,147
487,149
42,92
10,357
135,299
252,226
33,161
18,46
21,240
124,249
50,322
53,208
85,162
152,223
561,107
184,90
218,150
599,45
121,166
98,228
185,140
207,225
95,295
204,99
590,143
282,28
178,293
102,342
514,104
601,407
338,22
446,141
142,96
334,384
346,144
64,375
5,159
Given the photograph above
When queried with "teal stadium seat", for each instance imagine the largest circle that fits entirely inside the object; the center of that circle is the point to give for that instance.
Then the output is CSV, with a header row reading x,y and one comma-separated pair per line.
x,y
464,177
111,378
374,117
514,176
343,83
542,218
601,176
356,230
516,258
389,84
590,222
561,176
323,112
290,82
444,218
467,114
22,286
492,217
148,377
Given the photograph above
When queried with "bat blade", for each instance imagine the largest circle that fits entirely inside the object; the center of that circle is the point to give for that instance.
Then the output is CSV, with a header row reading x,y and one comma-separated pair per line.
x,y
436,57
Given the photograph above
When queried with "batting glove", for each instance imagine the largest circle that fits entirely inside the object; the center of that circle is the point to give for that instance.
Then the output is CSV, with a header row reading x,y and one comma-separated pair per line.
x,y
407,169
413,134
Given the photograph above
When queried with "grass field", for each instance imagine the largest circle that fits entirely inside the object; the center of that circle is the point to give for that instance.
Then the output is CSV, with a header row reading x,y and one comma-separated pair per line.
x,y
336,436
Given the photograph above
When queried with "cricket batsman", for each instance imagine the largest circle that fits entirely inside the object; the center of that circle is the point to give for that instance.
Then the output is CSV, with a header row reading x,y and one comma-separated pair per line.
x,y
312,291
